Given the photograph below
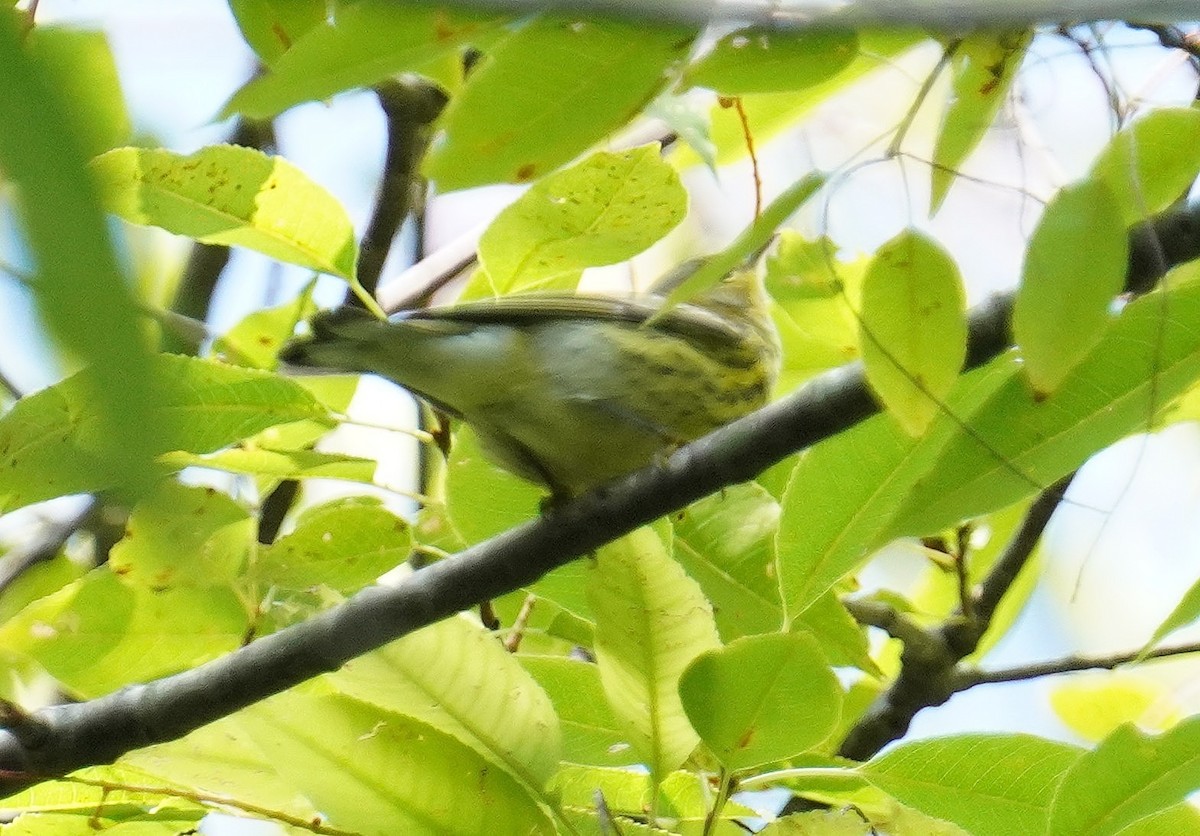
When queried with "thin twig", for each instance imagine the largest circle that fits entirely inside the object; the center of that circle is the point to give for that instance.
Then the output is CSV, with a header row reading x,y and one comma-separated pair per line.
x,y
969,678
923,91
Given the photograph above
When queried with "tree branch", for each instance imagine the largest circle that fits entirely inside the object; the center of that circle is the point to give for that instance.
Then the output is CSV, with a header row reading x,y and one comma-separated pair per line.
x,y
969,678
1016,554
410,106
928,664
61,738
785,15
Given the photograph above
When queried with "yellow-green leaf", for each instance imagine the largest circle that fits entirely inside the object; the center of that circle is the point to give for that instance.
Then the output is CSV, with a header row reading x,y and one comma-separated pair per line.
x,y
762,61
50,441
546,93
458,678
985,65
270,27
652,620
344,544
743,699
604,210
372,770
367,42
1093,706
226,194
913,327
181,536
1129,776
1153,162
1075,265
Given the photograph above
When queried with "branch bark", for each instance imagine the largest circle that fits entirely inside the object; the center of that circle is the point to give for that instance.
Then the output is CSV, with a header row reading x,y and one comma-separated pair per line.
x,y
62,738
786,15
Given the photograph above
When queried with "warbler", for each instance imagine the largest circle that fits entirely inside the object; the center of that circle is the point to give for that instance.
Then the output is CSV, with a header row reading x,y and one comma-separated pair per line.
x,y
569,390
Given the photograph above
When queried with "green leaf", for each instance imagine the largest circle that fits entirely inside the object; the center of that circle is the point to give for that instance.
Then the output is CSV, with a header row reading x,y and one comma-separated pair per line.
x,y
370,40
985,783
270,27
81,293
279,464
376,771
547,92
213,758
81,65
344,545
1141,363
1094,705
256,340
846,822
99,633
984,66
744,699
811,290
623,789
726,542
756,236
1129,776
852,493
762,61
770,113
1182,818
184,537
651,621
227,194
1152,163
682,802
482,499
457,678
845,493
1185,612
1074,267
71,808
590,732
566,587
145,817
603,210
50,442
843,640
913,328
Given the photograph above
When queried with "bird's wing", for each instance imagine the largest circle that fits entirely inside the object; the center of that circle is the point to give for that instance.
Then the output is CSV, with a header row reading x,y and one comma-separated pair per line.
x,y
687,321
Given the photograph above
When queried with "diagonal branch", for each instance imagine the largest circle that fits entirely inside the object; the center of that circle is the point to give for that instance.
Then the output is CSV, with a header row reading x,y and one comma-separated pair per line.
x,y
61,738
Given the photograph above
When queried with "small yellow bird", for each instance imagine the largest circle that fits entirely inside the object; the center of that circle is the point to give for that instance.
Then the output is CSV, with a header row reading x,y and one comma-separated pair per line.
x,y
566,390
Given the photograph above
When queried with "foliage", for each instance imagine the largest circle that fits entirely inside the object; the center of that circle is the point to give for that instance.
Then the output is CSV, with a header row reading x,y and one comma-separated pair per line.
x,y
717,650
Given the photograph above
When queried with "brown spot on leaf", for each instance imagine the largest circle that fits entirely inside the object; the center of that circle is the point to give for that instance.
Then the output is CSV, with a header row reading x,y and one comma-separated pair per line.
x,y
442,28
526,173
278,31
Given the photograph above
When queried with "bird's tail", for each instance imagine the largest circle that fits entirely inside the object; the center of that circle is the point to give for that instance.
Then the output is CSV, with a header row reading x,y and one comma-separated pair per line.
x,y
340,340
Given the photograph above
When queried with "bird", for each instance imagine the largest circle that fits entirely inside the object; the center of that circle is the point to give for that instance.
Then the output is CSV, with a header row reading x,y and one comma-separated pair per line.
x,y
567,390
